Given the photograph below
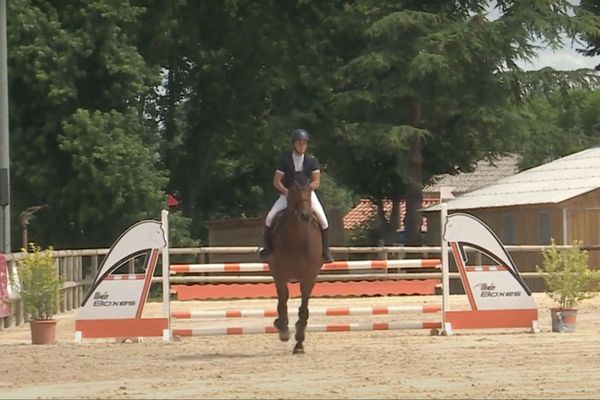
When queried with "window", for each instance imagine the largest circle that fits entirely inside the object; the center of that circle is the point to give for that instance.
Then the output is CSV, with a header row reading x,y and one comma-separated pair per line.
x,y
544,227
508,229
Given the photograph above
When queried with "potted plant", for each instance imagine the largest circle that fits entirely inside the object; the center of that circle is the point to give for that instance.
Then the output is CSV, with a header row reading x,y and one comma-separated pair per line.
x,y
39,285
568,280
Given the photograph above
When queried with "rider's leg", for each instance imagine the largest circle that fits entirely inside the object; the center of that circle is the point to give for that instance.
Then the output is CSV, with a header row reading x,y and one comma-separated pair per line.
x,y
318,209
279,205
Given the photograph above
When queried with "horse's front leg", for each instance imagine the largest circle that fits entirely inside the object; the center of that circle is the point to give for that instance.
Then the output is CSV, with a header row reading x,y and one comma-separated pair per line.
x,y
281,323
305,290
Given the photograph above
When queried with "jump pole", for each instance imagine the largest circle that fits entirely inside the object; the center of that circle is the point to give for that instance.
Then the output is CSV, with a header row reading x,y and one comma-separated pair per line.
x,y
446,327
164,219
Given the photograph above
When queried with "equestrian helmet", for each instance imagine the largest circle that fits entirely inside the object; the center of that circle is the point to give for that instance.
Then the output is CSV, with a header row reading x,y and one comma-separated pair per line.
x,y
299,134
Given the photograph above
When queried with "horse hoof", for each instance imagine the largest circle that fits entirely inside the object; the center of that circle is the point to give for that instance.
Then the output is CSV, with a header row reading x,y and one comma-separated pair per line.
x,y
298,349
284,336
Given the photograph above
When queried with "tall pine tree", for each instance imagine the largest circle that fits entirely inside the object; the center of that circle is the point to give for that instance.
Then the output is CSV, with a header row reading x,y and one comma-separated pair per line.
x,y
435,86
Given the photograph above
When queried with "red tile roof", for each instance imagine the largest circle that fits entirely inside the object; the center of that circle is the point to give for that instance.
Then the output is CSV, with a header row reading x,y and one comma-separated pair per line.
x,y
484,173
366,210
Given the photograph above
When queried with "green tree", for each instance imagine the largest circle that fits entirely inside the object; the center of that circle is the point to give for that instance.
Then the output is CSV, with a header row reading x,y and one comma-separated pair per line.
x,y
433,86
591,39
239,76
557,125
114,175
72,65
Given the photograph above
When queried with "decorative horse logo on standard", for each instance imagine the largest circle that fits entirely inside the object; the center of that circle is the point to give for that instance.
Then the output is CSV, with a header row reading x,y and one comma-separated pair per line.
x,y
114,304
497,294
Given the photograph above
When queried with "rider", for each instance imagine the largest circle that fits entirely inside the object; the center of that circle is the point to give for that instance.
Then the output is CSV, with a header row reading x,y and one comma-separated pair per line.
x,y
297,161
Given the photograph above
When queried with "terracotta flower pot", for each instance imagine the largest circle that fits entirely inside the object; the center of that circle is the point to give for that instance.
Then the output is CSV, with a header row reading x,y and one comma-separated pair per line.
x,y
43,332
563,319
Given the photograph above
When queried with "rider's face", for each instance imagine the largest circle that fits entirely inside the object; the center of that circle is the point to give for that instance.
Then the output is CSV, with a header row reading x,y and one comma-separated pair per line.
x,y
300,146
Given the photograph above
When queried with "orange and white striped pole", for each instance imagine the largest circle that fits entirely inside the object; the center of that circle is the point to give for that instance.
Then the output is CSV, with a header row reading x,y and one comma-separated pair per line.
x,y
334,266
357,327
316,312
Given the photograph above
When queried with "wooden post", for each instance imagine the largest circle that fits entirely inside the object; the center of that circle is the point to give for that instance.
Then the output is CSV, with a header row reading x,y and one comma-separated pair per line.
x,y
94,266
61,268
69,279
131,264
79,292
8,320
20,314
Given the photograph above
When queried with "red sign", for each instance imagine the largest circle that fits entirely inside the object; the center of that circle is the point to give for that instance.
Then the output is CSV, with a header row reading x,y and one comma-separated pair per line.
x,y
4,306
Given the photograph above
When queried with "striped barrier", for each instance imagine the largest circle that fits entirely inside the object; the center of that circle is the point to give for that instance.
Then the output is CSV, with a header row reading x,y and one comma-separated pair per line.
x,y
497,295
197,291
315,312
368,279
334,266
356,327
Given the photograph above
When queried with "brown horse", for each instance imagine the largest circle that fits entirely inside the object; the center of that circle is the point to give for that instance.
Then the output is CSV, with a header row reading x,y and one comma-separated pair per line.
x,y
296,256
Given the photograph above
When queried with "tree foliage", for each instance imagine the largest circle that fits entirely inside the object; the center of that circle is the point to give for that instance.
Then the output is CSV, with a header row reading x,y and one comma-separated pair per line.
x,y
557,125
80,140
434,86
113,103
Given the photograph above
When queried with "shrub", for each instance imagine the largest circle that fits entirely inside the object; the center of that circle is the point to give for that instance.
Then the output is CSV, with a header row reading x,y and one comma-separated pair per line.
x,y
567,274
38,283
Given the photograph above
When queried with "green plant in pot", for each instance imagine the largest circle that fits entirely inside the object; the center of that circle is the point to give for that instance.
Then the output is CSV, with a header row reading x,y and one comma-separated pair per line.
x,y
39,288
569,281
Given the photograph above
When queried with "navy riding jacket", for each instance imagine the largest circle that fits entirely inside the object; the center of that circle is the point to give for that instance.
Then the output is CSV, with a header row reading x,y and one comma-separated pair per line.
x,y
286,166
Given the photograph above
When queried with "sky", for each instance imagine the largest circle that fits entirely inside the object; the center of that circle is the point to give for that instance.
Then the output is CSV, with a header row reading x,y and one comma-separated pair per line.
x,y
563,59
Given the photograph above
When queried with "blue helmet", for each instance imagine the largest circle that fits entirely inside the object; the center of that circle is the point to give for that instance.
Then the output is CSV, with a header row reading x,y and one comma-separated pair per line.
x,y
299,134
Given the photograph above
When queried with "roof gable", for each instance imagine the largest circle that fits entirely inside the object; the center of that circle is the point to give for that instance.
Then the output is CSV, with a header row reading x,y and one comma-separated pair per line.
x,y
550,183
484,173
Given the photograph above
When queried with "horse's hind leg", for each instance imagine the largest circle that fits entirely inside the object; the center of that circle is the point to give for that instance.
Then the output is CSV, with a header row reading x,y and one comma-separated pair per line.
x,y
281,323
305,290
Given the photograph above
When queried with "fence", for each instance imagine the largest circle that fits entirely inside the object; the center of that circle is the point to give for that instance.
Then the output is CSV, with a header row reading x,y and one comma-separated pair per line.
x,y
78,267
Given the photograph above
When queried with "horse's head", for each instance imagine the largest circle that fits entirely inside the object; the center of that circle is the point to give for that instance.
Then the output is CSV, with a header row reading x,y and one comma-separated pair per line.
x,y
298,198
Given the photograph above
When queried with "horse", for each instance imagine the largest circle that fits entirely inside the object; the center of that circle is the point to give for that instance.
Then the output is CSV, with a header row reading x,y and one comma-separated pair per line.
x,y
296,255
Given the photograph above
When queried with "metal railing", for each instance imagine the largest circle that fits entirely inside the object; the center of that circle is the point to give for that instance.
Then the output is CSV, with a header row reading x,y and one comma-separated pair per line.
x,y
70,266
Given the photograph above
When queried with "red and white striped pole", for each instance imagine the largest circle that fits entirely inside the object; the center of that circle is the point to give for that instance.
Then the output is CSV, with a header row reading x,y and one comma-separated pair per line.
x,y
316,312
357,327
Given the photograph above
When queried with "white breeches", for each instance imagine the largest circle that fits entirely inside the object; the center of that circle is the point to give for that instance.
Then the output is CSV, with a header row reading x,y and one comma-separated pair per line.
x,y
281,204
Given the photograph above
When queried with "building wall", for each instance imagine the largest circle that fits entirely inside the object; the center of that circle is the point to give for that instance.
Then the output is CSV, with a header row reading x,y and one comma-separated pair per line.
x,y
512,225
583,223
235,232
249,232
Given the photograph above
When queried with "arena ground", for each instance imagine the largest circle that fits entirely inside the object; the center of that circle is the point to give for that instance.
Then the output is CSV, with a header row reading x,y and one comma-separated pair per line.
x,y
402,364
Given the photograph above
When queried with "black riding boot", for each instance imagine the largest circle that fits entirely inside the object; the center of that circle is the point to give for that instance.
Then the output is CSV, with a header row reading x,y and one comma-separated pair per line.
x,y
325,241
265,250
